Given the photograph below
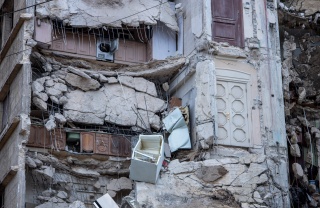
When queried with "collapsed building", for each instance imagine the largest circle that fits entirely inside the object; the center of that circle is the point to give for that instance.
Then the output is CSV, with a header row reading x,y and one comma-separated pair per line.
x,y
83,80
299,35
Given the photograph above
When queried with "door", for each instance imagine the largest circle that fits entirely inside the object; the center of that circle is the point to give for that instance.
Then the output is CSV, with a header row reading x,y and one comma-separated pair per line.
x,y
232,113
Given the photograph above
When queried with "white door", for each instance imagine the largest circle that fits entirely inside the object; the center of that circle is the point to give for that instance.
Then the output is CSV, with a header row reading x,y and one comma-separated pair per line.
x,y
232,109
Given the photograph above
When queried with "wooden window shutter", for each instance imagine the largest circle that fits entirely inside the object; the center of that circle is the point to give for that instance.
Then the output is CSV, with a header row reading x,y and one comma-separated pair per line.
x,y
227,24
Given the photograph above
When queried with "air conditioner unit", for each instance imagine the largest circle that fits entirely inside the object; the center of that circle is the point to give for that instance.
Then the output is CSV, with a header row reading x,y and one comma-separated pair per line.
x,y
106,49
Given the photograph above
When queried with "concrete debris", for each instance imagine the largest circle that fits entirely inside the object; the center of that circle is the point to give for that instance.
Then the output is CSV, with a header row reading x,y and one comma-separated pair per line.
x,y
78,72
257,197
295,150
62,195
42,105
77,204
76,13
49,193
41,95
297,170
211,173
45,173
112,80
103,79
60,118
84,84
51,123
122,183
97,185
30,162
37,86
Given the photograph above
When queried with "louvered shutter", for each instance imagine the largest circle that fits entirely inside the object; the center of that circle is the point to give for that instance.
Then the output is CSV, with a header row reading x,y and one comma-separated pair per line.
x,y
227,24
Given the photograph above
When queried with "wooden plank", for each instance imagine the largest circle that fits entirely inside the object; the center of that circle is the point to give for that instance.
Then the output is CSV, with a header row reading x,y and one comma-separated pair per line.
x,y
8,177
40,137
8,130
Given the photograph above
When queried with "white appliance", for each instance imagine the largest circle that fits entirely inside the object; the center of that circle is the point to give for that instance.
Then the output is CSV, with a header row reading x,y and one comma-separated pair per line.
x,y
106,49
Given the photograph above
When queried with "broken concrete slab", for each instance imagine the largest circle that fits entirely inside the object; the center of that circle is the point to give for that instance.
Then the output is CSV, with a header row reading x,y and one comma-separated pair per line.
x,y
122,183
30,162
41,95
62,195
78,72
42,105
84,84
60,118
297,170
80,16
210,174
77,204
121,105
85,107
37,86
149,103
51,123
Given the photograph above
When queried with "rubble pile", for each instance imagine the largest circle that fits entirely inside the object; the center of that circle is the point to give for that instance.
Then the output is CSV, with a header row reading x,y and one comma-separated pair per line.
x,y
92,98
71,181
300,72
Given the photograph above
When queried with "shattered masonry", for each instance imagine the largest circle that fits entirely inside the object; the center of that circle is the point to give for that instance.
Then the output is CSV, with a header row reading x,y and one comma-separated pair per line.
x,y
96,75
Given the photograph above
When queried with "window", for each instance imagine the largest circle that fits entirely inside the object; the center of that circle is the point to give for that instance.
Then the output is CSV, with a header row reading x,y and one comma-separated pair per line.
x,y
233,127
227,24
6,21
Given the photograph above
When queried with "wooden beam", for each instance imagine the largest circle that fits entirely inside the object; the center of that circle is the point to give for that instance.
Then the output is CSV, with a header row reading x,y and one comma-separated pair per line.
x,y
8,130
8,177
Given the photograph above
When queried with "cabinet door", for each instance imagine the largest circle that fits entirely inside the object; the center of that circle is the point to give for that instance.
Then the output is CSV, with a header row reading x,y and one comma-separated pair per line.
x,y
102,144
232,109
87,141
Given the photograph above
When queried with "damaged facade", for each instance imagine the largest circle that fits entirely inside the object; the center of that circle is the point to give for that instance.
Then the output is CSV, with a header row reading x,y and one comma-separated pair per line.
x,y
80,85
